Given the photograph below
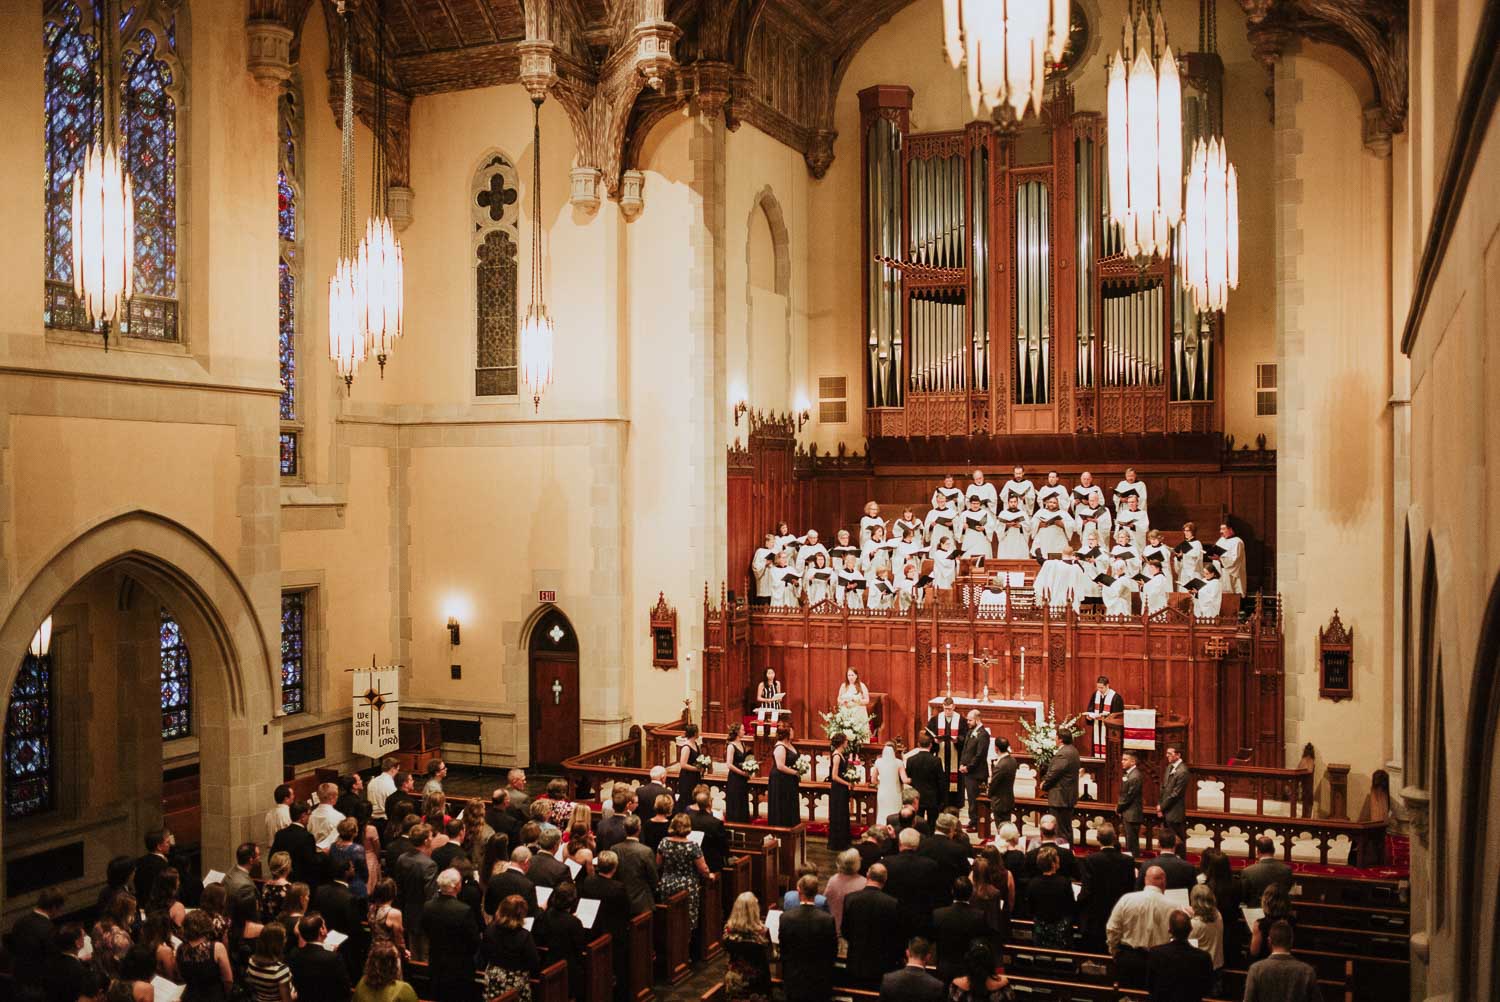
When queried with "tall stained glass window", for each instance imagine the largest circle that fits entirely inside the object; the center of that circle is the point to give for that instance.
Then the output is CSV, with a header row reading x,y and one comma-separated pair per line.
x,y
144,41
176,681
293,651
288,199
493,209
28,740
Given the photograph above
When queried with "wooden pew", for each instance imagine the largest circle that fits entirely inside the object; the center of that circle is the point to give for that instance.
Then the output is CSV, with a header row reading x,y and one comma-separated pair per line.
x,y
1322,913
1356,892
1069,965
737,878
1359,942
637,963
714,994
552,984
710,928
599,971
671,935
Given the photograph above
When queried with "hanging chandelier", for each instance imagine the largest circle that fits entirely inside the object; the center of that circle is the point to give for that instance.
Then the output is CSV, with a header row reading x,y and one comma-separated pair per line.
x,y
1005,47
536,326
41,640
379,255
347,346
1211,227
104,208
1145,135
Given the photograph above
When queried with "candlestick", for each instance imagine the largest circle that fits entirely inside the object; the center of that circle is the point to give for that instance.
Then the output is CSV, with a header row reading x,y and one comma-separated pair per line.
x,y
949,689
1023,672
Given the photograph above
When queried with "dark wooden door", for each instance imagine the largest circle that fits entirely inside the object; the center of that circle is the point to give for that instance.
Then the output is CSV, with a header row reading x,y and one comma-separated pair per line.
x,y
554,690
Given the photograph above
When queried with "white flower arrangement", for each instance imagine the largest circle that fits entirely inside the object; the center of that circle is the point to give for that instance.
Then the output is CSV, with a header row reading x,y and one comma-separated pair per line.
x,y
855,727
751,764
851,775
1041,739
704,762
804,767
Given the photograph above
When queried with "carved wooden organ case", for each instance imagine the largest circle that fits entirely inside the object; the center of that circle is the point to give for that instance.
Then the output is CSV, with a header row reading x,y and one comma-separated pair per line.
x,y
998,300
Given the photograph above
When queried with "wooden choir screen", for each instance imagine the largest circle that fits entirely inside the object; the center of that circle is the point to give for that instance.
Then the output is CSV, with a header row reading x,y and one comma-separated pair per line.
x,y
762,490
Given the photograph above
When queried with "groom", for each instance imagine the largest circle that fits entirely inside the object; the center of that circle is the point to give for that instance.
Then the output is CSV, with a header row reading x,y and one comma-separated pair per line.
x,y
974,764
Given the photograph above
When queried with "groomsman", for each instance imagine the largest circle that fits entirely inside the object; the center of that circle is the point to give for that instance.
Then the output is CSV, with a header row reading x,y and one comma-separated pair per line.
x,y
1129,807
974,763
1174,783
1003,784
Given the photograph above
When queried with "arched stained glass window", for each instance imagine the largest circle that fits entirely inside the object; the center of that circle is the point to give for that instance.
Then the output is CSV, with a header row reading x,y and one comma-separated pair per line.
x,y
495,215
28,740
293,651
288,207
145,45
176,681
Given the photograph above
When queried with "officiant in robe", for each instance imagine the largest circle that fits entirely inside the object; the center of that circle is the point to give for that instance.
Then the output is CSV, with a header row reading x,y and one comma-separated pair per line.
x,y
948,730
1102,703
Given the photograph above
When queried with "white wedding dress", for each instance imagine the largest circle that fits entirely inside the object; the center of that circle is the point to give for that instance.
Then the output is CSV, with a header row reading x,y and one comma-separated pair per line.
x,y
888,792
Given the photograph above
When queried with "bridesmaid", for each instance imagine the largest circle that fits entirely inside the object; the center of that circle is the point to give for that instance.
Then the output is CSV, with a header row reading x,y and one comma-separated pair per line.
x,y
838,794
785,807
688,772
737,785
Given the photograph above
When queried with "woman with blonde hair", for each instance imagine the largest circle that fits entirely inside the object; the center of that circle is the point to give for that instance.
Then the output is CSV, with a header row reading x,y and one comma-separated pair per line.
x,y
273,891
345,847
476,832
747,945
1208,924
435,810
842,884
382,979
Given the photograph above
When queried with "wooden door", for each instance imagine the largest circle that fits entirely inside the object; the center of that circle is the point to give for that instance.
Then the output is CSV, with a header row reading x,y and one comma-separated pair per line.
x,y
554,690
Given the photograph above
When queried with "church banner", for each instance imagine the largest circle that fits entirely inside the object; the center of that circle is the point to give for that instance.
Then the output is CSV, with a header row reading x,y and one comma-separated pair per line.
x,y
1140,730
376,729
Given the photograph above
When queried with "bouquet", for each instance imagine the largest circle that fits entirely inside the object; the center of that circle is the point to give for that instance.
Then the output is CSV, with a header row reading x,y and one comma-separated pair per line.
x,y
751,765
704,762
1041,739
851,775
854,726
804,767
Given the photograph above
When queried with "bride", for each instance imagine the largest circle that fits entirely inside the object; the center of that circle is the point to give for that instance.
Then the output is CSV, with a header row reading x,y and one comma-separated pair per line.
x,y
890,777
854,698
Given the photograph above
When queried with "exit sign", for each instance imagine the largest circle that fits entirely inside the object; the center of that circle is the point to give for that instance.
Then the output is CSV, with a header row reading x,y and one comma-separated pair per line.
x,y
546,596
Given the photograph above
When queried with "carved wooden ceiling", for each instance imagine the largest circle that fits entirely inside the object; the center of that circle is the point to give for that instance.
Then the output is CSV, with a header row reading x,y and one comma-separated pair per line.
x,y
619,66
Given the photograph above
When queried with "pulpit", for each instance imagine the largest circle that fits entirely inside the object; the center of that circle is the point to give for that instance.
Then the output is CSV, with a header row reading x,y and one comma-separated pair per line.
x,y
1171,729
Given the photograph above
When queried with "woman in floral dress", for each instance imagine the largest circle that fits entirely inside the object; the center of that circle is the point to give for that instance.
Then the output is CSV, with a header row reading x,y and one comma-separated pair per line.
x,y
681,864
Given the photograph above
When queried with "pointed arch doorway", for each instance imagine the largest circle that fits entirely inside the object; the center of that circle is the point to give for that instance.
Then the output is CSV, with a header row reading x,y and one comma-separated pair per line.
x,y
553,653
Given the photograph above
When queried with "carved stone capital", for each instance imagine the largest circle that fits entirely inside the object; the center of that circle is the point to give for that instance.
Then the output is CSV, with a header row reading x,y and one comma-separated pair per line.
x,y
398,204
819,152
268,51
584,190
538,70
1418,805
1377,131
632,199
711,87
652,41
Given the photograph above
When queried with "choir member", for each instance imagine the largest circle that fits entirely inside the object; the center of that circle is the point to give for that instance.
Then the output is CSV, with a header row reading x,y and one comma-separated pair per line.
x,y
1085,489
1093,560
948,495
911,528
851,585
1155,588
1208,597
1231,560
983,491
944,564
1189,554
1090,513
1155,548
1055,488
978,528
875,554
784,537
842,548
760,567
909,590
785,582
1131,486
1124,550
1102,703
1021,488
941,523
881,593
901,543
1134,518
809,547
1060,581
1117,587
1013,530
948,731
817,579
993,596
1051,528
870,520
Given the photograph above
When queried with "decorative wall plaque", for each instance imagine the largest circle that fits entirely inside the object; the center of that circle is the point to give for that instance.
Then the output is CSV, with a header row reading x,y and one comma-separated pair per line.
x,y
663,633
1335,660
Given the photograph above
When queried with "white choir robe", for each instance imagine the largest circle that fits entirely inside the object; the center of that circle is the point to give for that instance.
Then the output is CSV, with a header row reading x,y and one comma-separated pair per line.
x,y
911,531
1092,566
1064,498
944,568
1117,597
940,522
978,528
1232,564
1080,494
785,589
1154,592
866,524
908,594
1059,583
1137,522
851,598
837,554
1121,492
992,598
1208,600
782,542
1190,562
1165,554
1014,535
1130,555
817,584
881,594
1051,531
947,497
875,557
806,553
1021,489
1085,516
985,492
761,565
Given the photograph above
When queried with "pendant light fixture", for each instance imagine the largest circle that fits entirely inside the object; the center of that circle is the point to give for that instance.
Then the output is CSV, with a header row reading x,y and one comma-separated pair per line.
x,y
346,308
379,254
536,327
104,203
41,640
1005,47
1144,103
1210,250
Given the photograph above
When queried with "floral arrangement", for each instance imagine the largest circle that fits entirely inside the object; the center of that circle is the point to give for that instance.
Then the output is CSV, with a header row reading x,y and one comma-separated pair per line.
x,y
851,775
1041,739
854,726
804,767
704,762
751,765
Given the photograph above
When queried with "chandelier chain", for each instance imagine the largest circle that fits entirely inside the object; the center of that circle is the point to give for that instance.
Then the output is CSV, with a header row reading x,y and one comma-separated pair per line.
x,y
378,167
536,202
346,152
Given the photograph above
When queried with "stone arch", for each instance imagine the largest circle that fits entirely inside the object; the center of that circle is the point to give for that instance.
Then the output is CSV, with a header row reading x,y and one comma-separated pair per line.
x,y
236,663
1427,641
1478,912
766,203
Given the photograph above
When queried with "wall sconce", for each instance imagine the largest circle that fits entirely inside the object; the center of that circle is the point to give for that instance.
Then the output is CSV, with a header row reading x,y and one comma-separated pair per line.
x,y
803,409
452,631
740,408
41,641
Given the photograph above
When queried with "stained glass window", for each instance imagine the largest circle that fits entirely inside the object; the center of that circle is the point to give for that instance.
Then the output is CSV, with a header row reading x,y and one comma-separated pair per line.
x,y
288,188
287,311
289,446
293,663
495,214
28,740
176,680
71,109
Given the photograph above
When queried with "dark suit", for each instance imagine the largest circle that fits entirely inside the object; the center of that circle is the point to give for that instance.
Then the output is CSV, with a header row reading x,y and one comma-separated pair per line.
x,y
1107,874
911,984
1003,789
1061,784
565,939
916,882
952,856
147,869
505,883
297,842
1174,784
319,973
872,927
1179,972
546,871
637,871
809,946
930,780
611,831
953,930
1067,863
30,941
974,765
1255,878
1180,873
1131,812
646,795
239,886
948,752
614,905
505,821
416,877
715,844
893,821
398,805
354,805
65,978
453,937
345,913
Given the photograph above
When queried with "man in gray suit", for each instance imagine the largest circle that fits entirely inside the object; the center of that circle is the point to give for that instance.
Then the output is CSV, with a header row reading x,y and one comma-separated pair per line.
x,y
1130,810
1174,784
1003,784
974,764
912,983
1281,977
515,782
1061,783
637,867
1265,871
238,884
